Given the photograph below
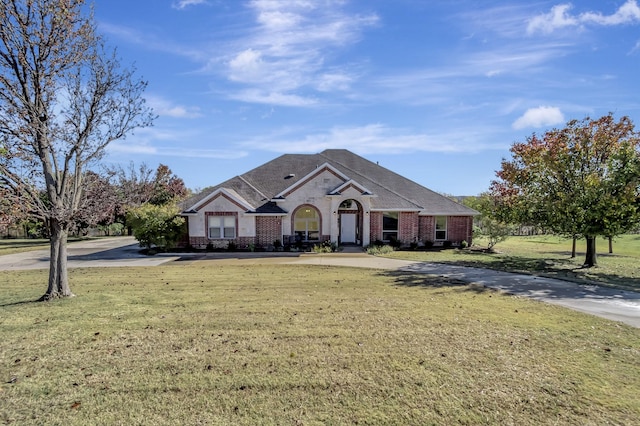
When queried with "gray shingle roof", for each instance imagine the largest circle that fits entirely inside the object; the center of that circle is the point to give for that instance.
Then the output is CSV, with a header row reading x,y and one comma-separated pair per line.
x,y
392,191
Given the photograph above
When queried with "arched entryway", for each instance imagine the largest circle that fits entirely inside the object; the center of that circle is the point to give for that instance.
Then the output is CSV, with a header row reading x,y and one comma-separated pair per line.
x,y
350,222
306,224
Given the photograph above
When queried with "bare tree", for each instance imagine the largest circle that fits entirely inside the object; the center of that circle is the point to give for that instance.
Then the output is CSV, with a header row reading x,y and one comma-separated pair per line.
x,y
63,99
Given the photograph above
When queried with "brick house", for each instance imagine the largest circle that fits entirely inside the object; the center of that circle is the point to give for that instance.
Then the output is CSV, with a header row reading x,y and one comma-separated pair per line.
x,y
335,196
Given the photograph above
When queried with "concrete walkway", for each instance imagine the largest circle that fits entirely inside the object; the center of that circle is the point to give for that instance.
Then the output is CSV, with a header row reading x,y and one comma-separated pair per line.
x,y
617,305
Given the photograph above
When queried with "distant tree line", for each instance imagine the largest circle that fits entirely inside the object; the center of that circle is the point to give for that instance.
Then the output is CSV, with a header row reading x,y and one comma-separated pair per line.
x,y
108,197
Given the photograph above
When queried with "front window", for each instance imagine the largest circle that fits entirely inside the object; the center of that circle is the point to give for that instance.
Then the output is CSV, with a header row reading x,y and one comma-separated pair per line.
x,y
390,226
222,227
307,224
441,227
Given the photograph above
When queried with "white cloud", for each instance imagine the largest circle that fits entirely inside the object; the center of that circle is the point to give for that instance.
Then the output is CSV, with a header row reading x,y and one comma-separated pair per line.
x,y
559,17
167,143
290,49
539,117
627,13
246,66
150,41
166,108
334,81
260,96
186,3
548,22
368,139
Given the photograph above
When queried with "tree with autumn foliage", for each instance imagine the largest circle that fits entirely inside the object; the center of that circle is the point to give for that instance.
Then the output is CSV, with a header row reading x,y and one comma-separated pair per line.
x,y
579,181
63,99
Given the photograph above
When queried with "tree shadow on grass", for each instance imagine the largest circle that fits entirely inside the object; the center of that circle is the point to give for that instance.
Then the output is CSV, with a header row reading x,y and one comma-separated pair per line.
x,y
408,279
559,268
19,303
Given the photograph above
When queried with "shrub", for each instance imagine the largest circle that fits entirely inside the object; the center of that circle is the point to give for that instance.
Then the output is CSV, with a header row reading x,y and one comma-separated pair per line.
x,y
376,250
156,226
464,244
395,243
325,247
428,244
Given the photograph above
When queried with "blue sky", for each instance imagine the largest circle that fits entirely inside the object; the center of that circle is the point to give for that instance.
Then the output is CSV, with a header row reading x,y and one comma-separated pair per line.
x,y
436,90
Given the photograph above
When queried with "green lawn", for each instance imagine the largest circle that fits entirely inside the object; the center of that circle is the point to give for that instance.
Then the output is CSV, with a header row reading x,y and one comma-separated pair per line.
x,y
549,256
210,343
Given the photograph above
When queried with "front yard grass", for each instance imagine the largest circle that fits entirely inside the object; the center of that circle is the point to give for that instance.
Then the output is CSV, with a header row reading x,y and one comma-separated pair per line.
x,y
549,256
207,343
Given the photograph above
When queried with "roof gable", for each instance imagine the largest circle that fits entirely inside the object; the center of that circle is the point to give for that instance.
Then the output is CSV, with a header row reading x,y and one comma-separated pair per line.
x,y
230,195
326,167
351,185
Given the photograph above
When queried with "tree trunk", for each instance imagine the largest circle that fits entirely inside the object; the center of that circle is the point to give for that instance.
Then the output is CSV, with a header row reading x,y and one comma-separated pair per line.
x,y
591,258
610,245
573,247
58,276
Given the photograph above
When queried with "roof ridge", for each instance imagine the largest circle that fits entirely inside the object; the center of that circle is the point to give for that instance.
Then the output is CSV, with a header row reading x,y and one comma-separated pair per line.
x,y
377,183
252,186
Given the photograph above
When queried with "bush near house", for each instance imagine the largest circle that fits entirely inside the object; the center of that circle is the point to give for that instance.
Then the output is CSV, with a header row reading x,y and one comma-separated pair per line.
x,y
156,227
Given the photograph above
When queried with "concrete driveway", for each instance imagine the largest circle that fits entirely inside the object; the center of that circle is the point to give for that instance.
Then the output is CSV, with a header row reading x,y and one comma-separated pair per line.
x,y
617,305
116,251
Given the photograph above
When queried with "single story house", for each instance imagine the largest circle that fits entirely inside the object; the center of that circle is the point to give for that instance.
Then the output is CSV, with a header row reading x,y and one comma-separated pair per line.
x,y
334,196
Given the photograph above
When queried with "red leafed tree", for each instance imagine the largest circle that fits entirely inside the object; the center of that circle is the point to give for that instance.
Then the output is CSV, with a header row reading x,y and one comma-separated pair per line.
x,y
582,180
63,99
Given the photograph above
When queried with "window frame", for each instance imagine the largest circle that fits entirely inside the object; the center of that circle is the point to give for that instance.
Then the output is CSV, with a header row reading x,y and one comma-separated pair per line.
x,y
440,228
303,235
224,221
388,233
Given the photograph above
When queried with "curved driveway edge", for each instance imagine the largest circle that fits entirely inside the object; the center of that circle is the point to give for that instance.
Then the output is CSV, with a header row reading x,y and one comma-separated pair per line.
x,y
103,252
609,303
617,305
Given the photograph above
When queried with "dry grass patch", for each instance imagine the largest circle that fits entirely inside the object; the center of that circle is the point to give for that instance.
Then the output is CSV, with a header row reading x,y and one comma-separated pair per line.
x,y
204,343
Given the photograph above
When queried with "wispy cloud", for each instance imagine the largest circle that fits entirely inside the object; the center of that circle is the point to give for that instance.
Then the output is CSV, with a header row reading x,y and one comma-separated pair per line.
x,y
182,4
560,16
289,51
264,96
154,141
151,41
166,108
539,117
368,139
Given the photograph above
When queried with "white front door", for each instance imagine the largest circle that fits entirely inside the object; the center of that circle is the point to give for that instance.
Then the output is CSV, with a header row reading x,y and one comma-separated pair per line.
x,y
347,228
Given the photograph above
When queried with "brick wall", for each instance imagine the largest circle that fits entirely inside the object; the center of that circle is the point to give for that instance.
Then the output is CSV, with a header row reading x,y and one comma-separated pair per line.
x,y
427,229
268,229
460,228
376,226
408,227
